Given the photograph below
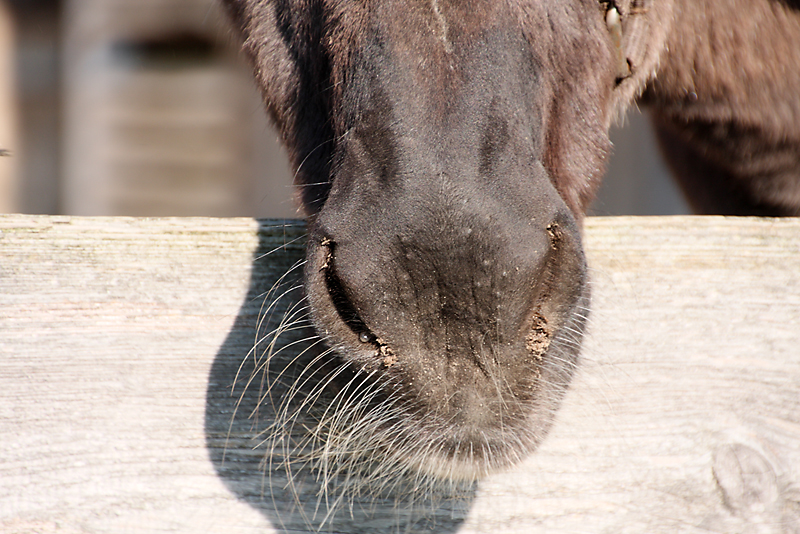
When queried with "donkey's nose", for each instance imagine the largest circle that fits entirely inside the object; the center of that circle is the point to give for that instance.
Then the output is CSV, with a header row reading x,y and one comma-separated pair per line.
x,y
452,292
453,282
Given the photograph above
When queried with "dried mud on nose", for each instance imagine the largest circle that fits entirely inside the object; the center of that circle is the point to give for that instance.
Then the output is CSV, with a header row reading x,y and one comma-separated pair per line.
x,y
538,340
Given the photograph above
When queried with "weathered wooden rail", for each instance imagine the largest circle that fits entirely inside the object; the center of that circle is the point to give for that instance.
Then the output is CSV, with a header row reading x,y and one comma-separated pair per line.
x,y
119,339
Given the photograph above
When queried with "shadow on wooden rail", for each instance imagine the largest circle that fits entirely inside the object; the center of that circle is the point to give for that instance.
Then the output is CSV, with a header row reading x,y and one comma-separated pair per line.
x,y
127,405
258,420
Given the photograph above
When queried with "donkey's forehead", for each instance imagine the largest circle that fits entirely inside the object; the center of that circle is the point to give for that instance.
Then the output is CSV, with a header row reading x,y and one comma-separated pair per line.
x,y
430,53
440,39
432,27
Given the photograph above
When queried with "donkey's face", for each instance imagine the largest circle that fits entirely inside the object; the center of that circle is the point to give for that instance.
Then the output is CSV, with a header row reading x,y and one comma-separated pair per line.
x,y
445,151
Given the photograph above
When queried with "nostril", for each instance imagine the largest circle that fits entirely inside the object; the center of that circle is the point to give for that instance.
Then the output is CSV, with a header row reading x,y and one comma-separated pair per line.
x,y
338,295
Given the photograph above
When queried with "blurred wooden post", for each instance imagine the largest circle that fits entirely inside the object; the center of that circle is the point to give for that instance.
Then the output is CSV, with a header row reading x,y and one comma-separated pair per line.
x,y
161,115
9,136
119,340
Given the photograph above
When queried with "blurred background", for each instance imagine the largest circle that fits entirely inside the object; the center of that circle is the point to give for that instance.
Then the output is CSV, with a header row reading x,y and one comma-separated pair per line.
x,y
146,108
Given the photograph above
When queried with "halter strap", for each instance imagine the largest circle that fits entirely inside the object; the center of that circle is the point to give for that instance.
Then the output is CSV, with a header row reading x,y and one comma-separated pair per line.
x,y
614,25
627,27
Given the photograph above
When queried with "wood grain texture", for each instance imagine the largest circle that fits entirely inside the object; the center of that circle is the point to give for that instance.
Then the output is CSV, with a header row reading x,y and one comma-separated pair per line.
x,y
120,340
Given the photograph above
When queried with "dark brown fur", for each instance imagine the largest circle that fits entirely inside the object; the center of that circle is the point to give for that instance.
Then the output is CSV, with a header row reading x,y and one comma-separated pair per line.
x,y
446,152
723,90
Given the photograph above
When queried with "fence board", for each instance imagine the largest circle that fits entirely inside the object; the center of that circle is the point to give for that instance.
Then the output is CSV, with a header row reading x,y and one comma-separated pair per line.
x,y
119,339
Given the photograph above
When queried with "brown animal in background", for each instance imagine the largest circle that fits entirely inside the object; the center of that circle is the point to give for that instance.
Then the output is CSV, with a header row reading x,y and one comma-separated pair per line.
x,y
446,152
